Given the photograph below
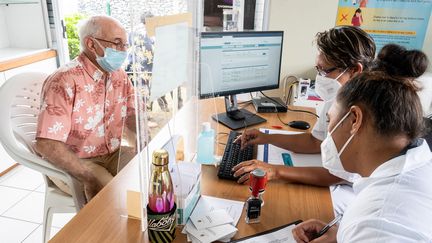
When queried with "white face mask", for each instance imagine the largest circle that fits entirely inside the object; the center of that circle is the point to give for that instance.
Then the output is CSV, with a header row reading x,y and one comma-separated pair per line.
x,y
331,157
326,87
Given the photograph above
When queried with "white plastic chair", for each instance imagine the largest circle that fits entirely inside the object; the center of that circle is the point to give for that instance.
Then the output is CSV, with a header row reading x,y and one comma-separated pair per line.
x,y
19,109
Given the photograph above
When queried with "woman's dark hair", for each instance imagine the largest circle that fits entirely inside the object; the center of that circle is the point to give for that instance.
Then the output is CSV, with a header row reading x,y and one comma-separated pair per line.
x,y
357,11
397,61
345,46
390,102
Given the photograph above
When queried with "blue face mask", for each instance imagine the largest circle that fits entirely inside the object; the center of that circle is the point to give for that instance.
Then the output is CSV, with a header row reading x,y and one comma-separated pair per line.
x,y
112,60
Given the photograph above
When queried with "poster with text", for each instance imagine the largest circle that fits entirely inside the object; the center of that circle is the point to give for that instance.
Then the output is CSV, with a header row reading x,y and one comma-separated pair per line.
x,y
402,22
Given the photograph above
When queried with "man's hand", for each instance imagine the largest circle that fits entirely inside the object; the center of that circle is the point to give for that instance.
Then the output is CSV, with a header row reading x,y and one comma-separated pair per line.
x,y
251,137
247,166
58,154
307,231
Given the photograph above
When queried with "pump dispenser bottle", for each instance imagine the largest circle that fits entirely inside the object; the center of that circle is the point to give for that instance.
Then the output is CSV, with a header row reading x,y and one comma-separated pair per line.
x,y
205,147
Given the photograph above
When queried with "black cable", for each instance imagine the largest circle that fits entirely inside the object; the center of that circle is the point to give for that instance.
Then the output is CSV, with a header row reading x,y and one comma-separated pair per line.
x,y
246,101
245,104
308,112
285,123
293,110
290,86
290,92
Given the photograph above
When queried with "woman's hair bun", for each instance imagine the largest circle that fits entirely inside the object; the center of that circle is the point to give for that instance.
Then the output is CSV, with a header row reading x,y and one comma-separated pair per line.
x,y
397,61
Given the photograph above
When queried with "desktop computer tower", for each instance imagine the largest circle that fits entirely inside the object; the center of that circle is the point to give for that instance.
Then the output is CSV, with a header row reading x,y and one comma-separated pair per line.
x,y
266,105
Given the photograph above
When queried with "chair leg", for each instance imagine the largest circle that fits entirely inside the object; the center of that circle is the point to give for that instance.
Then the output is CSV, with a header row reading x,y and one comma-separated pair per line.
x,y
47,222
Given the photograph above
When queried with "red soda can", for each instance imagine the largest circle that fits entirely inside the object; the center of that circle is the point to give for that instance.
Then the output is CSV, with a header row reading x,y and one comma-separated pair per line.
x,y
257,181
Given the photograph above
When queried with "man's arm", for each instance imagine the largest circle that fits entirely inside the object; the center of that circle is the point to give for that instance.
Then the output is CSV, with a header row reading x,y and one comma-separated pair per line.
x,y
60,155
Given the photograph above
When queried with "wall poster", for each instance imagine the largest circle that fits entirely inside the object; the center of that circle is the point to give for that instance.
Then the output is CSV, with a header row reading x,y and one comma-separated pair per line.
x,y
402,22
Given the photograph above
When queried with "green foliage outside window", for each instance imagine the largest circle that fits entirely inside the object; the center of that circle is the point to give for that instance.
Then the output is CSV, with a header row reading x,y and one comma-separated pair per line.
x,y
72,34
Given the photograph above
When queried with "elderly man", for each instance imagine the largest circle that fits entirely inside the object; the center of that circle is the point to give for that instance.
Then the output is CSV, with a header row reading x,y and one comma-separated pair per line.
x,y
84,106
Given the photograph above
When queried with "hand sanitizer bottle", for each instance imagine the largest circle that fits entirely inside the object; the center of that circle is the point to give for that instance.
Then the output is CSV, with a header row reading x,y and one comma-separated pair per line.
x,y
205,147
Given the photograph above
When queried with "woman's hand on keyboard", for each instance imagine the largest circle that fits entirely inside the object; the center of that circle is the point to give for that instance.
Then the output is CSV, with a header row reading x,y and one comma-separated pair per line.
x,y
252,137
245,167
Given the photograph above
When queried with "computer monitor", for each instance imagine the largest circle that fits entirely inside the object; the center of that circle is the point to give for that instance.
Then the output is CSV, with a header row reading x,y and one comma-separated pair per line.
x,y
239,62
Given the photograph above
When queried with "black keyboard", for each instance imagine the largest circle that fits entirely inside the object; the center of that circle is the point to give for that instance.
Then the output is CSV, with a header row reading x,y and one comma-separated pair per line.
x,y
232,156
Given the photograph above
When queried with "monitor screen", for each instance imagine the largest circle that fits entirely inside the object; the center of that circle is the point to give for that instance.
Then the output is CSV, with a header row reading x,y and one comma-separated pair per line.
x,y
239,62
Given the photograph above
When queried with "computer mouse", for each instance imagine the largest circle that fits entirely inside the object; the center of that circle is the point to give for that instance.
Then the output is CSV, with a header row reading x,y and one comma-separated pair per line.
x,y
299,125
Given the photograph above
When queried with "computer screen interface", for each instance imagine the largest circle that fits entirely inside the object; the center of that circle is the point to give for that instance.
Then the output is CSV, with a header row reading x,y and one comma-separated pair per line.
x,y
239,62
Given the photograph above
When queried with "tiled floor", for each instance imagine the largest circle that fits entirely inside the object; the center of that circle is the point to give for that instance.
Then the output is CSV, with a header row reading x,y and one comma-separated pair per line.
x,y
21,207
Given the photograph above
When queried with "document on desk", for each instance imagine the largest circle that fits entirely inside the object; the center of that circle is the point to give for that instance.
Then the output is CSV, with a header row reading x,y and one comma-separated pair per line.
x,y
278,156
206,205
211,219
276,235
209,204
213,233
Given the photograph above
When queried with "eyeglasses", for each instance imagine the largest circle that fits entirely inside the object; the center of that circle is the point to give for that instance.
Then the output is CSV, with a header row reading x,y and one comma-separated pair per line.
x,y
119,45
325,72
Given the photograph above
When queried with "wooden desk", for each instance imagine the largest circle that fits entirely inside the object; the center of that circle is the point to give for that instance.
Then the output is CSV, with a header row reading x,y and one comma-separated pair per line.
x,y
104,218
26,59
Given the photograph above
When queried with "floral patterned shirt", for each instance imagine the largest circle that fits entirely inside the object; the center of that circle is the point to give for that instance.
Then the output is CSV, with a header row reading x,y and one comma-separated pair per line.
x,y
85,108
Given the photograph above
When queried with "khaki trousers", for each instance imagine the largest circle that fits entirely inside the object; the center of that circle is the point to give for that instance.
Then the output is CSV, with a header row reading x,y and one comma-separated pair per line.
x,y
103,167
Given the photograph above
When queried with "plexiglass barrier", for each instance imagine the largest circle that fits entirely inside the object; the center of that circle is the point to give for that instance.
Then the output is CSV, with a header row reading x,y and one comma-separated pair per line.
x,y
163,64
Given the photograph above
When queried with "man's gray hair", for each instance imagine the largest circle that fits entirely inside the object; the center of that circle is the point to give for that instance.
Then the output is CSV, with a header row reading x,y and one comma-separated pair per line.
x,y
91,27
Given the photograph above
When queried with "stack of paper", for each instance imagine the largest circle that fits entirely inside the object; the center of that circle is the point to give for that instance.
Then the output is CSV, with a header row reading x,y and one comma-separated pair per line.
x,y
213,219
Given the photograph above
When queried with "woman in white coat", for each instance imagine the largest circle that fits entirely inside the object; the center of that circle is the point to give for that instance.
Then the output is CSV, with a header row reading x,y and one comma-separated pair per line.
x,y
343,52
374,129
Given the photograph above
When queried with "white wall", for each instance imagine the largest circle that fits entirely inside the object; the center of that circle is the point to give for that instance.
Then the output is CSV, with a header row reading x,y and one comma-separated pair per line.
x,y
4,40
427,45
301,20
26,26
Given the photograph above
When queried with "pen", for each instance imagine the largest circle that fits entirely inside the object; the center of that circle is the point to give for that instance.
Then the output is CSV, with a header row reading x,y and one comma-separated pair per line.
x,y
237,138
276,127
328,226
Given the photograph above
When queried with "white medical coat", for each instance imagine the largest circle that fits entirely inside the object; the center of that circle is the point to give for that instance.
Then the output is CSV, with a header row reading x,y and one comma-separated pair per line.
x,y
394,204
319,131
